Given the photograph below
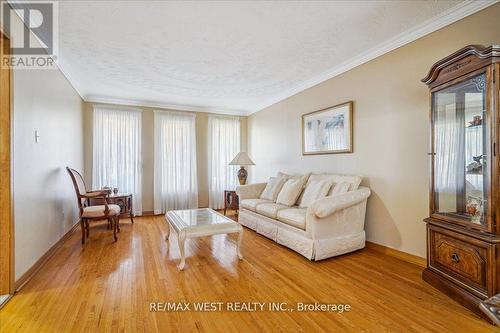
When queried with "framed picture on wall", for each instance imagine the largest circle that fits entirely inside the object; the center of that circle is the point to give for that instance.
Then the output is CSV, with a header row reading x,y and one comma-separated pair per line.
x,y
328,131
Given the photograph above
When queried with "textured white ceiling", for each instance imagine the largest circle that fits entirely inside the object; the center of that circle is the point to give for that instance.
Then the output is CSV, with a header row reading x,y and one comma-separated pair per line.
x,y
235,57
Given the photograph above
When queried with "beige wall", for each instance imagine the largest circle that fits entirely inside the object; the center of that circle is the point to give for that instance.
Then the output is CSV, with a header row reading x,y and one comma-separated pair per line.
x,y
45,205
390,130
148,153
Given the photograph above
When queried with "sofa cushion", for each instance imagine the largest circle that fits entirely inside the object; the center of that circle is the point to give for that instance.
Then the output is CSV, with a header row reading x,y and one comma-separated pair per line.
x,y
98,211
272,189
251,204
291,190
296,217
269,209
315,190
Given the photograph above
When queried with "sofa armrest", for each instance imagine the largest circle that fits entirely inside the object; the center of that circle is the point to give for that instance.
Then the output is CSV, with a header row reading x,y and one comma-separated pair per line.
x,y
338,215
252,191
330,205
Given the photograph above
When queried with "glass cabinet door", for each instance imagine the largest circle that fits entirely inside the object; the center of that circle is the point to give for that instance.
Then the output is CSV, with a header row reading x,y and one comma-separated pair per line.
x,y
460,161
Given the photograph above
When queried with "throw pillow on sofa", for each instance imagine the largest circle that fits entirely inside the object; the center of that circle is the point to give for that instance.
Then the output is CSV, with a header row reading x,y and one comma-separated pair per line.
x,y
353,181
273,187
283,175
315,190
342,187
291,190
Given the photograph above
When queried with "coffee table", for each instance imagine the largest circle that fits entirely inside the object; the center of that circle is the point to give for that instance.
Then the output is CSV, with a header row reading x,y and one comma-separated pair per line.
x,y
201,222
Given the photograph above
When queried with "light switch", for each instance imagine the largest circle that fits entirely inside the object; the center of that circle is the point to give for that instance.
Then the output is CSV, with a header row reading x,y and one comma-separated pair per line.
x,y
37,137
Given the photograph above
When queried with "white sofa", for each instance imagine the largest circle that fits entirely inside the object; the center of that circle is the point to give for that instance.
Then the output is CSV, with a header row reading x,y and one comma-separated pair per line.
x,y
330,226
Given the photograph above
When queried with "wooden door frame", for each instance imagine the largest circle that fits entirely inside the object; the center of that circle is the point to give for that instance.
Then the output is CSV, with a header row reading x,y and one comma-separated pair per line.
x,y
6,190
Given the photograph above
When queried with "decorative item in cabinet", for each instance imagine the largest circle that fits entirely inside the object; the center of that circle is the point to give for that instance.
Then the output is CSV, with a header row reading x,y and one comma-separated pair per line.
x,y
463,235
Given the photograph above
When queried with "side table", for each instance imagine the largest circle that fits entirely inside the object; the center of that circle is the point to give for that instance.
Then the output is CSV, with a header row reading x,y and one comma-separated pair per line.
x,y
231,201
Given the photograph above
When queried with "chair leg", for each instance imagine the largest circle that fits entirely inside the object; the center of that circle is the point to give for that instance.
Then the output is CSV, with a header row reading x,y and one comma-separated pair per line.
x,y
114,229
82,225
118,222
110,223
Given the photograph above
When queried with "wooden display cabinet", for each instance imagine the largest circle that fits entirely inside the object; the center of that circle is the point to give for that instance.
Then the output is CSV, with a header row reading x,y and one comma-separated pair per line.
x,y
463,234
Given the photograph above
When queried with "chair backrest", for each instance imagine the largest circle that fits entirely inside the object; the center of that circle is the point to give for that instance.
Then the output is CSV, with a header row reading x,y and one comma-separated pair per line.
x,y
79,185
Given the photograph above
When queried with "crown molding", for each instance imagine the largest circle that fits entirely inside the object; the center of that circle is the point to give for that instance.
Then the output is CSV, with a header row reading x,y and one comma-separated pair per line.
x,y
160,105
448,17
67,78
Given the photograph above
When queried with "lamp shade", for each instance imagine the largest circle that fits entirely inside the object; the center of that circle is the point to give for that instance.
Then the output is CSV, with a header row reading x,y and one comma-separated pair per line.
x,y
242,159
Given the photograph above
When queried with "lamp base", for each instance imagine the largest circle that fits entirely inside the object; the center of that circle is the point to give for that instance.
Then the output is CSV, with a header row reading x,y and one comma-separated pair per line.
x,y
242,175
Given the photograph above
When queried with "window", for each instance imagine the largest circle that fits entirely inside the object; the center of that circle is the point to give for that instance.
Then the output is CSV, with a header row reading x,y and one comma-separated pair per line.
x,y
117,152
224,144
175,177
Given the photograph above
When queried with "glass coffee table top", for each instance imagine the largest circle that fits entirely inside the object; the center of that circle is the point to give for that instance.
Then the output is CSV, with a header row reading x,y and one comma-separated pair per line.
x,y
192,218
198,223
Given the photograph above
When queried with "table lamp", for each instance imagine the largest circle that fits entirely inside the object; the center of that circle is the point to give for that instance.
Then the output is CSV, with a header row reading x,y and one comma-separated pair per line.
x,y
242,159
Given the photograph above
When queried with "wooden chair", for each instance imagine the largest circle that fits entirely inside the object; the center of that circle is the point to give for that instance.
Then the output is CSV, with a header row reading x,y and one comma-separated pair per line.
x,y
93,213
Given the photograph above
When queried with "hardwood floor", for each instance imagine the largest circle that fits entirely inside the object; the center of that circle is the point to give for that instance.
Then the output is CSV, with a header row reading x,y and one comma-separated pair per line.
x,y
107,287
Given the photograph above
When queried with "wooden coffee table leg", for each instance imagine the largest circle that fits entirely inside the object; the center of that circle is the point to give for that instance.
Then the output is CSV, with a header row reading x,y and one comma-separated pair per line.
x,y
181,239
240,239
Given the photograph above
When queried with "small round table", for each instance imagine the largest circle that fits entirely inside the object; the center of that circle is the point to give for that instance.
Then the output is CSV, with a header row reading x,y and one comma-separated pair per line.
x,y
231,201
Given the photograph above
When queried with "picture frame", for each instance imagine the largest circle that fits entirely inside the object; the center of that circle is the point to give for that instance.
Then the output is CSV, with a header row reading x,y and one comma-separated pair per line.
x,y
328,131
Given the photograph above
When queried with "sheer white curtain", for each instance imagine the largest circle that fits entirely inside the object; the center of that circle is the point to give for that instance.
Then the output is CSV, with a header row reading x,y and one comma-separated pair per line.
x,y
224,144
117,152
175,177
